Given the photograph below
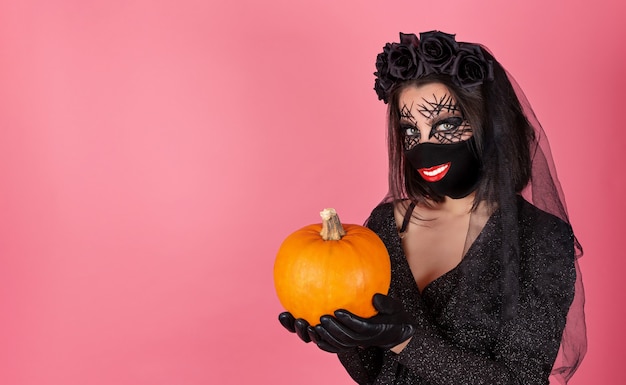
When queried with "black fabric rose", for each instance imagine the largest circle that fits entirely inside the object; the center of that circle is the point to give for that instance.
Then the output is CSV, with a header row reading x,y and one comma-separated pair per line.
x,y
470,67
402,61
437,50
380,90
384,81
383,85
381,61
409,39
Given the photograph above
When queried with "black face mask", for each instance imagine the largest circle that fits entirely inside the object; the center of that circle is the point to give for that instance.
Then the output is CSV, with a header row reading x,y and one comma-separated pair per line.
x,y
450,169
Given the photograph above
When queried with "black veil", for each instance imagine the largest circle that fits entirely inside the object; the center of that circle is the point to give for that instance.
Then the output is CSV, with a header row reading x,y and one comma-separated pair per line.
x,y
544,191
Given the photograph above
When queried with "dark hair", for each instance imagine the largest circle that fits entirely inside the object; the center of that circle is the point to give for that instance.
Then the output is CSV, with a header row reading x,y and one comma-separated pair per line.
x,y
502,137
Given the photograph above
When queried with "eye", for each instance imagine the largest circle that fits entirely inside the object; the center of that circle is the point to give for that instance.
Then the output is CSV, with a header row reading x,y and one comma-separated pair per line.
x,y
411,135
409,130
448,124
451,130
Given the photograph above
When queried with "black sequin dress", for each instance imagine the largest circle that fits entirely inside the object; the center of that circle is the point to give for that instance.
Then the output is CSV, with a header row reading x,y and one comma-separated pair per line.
x,y
462,337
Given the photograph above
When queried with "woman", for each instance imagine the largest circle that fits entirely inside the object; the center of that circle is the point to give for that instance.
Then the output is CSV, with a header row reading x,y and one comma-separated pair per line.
x,y
485,286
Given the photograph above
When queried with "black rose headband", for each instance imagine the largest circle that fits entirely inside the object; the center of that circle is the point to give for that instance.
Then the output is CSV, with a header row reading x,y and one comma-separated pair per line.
x,y
433,53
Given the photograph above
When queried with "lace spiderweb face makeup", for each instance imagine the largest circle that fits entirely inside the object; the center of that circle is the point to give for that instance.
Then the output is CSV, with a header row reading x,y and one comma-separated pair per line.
x,y
438,114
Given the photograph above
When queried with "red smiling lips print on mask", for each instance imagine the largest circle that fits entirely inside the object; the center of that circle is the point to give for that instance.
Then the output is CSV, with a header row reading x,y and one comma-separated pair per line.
x,y
434,174
451,170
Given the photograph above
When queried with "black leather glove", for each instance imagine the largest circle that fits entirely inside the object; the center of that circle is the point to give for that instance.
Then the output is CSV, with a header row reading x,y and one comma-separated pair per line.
x,y
299,326
305,331
390,327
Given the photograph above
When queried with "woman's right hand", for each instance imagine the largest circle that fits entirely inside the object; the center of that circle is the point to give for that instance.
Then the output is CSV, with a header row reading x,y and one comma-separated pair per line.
x,y
296,325
307,333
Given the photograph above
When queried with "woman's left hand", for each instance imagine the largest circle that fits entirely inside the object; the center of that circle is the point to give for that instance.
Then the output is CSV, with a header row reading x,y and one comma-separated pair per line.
x,y
387,329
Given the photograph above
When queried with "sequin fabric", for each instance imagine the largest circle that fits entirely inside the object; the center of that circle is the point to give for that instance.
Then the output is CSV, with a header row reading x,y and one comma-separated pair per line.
x,y
462,338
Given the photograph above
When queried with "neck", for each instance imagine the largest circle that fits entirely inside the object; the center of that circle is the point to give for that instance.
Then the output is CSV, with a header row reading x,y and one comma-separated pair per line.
x,y
461,206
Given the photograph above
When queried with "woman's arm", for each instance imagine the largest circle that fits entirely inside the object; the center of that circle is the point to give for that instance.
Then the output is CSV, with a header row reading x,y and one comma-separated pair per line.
x,y
363,365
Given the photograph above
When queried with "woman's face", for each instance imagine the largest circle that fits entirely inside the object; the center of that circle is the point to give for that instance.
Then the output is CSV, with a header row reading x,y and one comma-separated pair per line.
x,y
430,114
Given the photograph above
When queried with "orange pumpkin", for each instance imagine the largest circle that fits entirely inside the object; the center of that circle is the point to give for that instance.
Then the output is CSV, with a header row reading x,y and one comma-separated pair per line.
x,y
324,267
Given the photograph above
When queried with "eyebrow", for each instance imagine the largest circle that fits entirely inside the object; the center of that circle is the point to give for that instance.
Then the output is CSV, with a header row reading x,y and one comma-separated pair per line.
x,y
445,115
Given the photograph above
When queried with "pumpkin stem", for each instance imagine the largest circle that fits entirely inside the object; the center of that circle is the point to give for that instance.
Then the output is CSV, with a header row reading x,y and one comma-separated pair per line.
x,y
332,230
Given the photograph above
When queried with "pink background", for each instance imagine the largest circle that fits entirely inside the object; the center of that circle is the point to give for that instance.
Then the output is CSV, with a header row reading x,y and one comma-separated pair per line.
x,y
154,154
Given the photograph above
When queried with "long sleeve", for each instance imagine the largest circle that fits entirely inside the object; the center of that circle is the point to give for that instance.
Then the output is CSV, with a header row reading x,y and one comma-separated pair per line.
x,y
363,365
